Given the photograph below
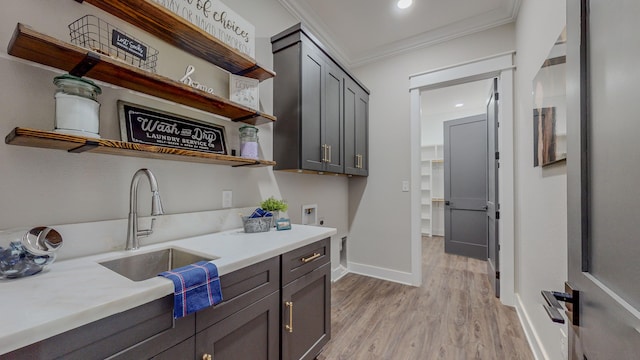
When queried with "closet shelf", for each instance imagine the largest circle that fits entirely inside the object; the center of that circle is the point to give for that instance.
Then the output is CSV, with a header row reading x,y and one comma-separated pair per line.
x,y
173,29
78,144
29,44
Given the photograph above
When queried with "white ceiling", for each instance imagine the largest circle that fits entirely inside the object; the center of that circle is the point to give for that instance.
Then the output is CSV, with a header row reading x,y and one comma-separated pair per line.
x,y
441,103
361,31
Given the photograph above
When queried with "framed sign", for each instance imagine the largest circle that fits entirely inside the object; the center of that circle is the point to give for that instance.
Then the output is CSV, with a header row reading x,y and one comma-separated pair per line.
x,y
217,19
244,91
142,125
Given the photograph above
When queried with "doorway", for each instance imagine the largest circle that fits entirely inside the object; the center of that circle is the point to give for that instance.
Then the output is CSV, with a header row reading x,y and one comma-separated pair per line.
x,y
501,67
438,106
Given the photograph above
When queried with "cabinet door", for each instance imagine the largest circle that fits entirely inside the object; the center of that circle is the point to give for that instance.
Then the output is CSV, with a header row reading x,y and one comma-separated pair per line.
x,y
306,315
251,333
312,151
333,124
356,129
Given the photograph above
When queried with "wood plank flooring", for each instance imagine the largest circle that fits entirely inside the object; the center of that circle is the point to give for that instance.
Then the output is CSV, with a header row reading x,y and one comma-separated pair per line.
x,y
453,315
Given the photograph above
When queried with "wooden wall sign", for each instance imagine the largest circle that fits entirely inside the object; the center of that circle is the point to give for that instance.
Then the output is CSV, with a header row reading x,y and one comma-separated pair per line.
x,y
139,124
217,19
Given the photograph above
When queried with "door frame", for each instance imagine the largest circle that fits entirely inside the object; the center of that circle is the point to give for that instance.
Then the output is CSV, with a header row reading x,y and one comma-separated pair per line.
x,y
500,66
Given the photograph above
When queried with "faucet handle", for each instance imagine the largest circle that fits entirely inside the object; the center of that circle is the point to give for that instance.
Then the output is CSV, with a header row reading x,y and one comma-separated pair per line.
x,y
149,231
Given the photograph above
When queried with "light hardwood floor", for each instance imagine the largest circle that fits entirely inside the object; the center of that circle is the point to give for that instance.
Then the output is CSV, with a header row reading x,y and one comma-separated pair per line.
x,y
453,315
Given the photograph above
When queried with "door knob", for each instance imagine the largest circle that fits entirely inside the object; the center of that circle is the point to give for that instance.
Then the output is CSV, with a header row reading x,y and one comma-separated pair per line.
x,y
485,208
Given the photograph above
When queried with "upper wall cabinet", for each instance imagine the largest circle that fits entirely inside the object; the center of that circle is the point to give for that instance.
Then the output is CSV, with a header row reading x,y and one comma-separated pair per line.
x,y
356,123
322,109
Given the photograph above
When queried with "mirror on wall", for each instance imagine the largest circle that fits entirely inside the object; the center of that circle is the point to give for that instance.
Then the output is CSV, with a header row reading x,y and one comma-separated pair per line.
x,y
549,107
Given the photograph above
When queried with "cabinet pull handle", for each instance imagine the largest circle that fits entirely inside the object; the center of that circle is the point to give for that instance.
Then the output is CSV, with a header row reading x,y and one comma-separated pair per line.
x,y
207,357
310,258
329,157
289,327
324,152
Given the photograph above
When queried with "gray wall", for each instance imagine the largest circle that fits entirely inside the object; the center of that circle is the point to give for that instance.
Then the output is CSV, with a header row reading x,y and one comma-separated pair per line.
x,y
379,210
44,187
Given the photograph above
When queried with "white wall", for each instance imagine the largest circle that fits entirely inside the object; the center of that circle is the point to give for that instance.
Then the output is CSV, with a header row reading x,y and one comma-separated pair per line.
x,y
380,239
541,221
44,187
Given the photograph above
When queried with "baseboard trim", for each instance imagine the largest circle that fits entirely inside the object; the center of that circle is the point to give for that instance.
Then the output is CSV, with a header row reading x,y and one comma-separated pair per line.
x,y
529,331
338,273
381,273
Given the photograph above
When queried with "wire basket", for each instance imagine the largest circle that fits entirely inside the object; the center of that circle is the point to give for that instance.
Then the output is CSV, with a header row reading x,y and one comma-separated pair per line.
x,y
95,34
254,225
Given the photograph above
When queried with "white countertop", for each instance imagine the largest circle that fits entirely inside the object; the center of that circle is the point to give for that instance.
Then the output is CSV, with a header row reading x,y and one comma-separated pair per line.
x,y
75,292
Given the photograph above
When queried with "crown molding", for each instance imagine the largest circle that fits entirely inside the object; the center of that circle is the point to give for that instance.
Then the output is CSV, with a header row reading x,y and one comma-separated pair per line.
x,y
452,31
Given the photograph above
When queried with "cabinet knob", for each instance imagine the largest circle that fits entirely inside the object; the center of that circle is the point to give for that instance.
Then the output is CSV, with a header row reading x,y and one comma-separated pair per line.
x,y
207,357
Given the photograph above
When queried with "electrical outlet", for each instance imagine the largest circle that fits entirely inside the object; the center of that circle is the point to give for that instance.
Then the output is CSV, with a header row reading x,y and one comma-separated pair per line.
x,y
227,199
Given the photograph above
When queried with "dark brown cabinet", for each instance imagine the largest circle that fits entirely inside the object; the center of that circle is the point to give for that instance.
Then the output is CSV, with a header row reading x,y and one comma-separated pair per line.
x,y
310,102
251,333
306,301
247,324
356,129
251,323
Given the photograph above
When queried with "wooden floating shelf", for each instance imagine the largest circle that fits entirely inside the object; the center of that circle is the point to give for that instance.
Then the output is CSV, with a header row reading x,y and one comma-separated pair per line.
x,y
78,144
29,44
173,29
437,200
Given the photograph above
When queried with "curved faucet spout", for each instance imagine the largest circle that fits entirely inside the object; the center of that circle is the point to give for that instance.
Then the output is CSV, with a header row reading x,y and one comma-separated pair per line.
x,y
133,234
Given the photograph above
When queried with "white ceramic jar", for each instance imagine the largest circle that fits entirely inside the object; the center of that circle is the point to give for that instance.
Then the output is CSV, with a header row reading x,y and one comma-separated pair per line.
x,y
77,107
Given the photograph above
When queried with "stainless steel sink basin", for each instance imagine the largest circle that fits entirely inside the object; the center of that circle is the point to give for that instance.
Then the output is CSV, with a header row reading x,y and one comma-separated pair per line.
x,y
148,265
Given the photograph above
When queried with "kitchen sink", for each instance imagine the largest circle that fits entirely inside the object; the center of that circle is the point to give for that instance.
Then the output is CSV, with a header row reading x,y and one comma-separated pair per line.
x,y
145,266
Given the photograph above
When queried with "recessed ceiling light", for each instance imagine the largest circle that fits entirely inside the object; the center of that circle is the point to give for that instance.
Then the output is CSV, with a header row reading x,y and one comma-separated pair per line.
x,y
459,105
403,4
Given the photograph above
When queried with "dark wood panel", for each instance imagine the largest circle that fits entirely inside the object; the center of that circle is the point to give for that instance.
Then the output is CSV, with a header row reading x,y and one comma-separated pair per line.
x,y
295,263
240,289
251,333
103,338
165,25
184,350
54,140
29,44
309,314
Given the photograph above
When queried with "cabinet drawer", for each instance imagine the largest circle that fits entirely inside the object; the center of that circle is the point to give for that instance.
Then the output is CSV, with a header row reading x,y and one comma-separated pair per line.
x,y
105,337
240,289
301,261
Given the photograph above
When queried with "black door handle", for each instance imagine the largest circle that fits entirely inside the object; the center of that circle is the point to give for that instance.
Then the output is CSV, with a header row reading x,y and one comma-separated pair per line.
x,y
572,300
447,203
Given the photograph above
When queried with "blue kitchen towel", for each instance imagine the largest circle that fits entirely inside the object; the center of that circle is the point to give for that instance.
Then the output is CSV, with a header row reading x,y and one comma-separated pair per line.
x,y
259,212
197,286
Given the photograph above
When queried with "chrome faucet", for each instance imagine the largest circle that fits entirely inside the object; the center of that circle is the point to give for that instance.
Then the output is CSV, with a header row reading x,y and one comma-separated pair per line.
x,y
156,208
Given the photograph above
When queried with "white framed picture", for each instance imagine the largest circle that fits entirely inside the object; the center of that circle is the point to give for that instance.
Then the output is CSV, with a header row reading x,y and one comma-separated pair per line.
x,y
244,91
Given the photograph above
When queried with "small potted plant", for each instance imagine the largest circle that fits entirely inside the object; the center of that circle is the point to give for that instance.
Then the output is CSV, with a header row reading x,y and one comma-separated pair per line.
x,y
274,206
